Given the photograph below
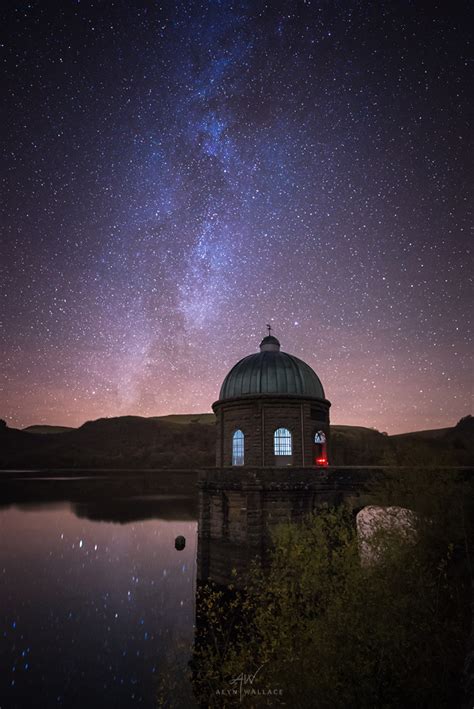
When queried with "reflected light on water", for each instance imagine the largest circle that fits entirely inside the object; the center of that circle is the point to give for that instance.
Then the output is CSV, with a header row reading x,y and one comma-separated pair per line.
x,y
90,609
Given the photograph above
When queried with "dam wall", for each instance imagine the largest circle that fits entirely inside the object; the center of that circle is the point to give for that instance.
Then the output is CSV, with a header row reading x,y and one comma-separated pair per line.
x,y
239,508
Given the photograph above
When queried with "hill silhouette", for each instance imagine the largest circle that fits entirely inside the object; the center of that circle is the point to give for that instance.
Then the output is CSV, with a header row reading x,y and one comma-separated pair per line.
x,y
188,442
123,442
44,428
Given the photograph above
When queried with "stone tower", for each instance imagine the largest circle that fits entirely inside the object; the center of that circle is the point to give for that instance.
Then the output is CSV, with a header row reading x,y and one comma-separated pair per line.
x,y
271,412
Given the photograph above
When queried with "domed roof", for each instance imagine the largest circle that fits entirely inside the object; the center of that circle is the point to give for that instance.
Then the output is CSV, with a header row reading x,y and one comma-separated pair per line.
x,y
271,371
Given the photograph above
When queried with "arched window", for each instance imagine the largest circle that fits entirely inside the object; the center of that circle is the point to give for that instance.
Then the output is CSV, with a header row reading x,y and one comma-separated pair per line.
x,y
282,440
320,455
238,448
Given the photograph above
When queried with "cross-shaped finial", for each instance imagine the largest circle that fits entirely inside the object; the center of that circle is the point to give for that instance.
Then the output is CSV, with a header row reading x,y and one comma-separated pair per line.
x,y
269,328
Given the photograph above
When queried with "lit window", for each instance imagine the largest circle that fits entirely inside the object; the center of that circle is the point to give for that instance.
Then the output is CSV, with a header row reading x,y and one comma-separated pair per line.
x,y
238,448
282,438
319,449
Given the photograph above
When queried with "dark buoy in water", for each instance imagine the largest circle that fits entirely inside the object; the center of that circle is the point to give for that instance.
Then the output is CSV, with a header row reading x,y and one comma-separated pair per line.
x,y
179,543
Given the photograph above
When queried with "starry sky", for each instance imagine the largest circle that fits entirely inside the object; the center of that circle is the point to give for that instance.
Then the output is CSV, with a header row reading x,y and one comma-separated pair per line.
x,y
175,175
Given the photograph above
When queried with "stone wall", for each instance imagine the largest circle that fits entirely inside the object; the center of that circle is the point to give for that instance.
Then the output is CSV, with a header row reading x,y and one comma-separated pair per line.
x,y
238,509
259,417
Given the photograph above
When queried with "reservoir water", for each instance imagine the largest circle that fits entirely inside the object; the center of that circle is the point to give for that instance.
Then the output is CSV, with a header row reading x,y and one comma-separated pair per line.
x,y
96,604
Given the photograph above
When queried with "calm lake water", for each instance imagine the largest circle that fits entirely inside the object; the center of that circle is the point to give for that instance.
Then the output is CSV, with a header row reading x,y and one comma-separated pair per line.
x,y
96,604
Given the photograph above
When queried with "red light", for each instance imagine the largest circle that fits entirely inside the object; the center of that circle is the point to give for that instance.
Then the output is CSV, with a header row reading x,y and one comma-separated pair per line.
x,y
321,461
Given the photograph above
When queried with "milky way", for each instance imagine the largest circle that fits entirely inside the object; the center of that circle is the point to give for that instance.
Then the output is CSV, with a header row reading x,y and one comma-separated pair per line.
x,y
177,175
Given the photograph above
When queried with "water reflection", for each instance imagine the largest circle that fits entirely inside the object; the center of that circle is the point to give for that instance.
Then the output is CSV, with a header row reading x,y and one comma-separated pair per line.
x,y
94,600
131,509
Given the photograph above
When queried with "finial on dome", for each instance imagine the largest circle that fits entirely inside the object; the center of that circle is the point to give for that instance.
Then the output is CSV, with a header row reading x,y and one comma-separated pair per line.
x,y
269,343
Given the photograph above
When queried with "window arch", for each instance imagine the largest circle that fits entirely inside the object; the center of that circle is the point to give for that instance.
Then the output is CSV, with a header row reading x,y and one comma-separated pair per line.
x,y
320,456
238,445
282,442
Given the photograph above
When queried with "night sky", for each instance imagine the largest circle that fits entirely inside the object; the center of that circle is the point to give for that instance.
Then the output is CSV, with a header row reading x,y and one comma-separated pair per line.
x,y
176,175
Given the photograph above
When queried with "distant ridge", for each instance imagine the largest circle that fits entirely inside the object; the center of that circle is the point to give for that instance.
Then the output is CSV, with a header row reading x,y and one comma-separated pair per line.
x,y
40,428
187,418
430,433
172,418
119,442
187,441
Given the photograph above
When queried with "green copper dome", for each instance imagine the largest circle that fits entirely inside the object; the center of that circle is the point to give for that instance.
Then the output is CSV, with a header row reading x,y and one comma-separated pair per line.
x,y
271,371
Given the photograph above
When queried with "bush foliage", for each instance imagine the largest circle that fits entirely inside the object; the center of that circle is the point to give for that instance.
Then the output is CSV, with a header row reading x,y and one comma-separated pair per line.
x,y
330,632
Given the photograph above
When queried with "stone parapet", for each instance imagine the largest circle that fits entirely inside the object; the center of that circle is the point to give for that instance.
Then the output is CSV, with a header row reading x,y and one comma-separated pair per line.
x,y
238,508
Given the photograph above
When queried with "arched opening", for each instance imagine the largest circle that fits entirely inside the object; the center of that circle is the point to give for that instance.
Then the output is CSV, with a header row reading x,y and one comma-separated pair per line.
x,y
283,447
238,445
320,456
